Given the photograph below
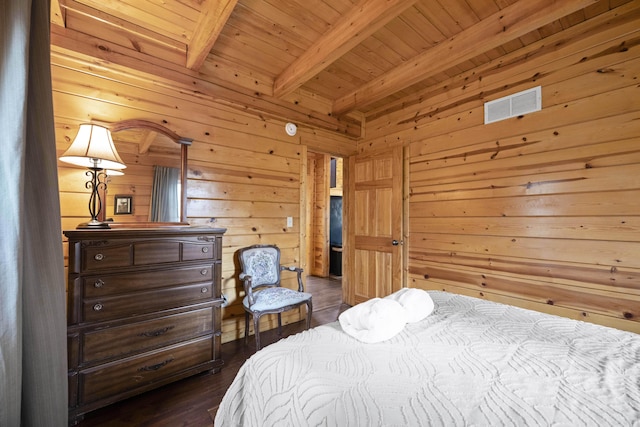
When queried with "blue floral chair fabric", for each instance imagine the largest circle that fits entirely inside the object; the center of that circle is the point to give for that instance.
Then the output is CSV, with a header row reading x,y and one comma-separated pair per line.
x,y
260,274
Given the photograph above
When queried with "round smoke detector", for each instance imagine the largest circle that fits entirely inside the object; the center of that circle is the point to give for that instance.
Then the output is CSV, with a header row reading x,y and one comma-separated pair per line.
x,y
291,129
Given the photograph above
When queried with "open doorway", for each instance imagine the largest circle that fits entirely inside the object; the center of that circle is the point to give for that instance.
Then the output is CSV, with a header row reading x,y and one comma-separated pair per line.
x,y
324,215
335,236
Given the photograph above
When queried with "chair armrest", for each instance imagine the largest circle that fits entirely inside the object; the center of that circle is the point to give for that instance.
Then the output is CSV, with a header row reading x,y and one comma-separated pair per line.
x,y
248,290
297,270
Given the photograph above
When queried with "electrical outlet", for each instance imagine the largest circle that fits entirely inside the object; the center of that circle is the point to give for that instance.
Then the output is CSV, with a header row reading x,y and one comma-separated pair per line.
x,y
289,221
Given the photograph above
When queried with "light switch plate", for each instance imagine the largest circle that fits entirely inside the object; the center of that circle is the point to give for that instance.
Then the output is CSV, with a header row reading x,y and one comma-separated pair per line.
x,y
289,221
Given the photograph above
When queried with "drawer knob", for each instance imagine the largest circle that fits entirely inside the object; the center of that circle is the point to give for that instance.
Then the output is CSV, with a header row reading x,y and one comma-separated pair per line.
x,y
204,290
98,283
98,257
204,271
205,249
98,307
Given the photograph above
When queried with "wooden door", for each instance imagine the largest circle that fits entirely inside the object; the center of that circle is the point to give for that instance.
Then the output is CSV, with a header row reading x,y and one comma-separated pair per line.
x,y
376,220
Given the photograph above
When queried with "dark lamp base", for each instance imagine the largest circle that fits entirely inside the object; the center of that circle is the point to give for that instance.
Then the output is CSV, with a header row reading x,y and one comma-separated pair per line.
x,y
92,225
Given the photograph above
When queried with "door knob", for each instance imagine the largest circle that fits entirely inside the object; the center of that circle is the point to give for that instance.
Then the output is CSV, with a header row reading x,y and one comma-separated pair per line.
x,y
395,242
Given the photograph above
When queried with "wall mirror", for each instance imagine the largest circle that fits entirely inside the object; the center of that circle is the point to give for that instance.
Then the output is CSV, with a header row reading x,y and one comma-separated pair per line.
x,y
155,180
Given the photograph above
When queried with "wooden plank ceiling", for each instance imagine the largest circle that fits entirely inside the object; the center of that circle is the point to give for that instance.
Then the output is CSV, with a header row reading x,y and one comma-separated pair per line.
x,y
333,62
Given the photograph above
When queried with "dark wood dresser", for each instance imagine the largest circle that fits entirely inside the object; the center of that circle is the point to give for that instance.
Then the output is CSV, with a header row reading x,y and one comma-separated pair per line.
x,y
143,311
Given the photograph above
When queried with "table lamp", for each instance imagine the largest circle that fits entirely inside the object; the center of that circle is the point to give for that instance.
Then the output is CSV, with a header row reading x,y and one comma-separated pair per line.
x,y
94,149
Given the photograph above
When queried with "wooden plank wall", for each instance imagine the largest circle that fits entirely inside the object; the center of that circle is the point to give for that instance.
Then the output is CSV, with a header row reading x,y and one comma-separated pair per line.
x,y
540,211
245,174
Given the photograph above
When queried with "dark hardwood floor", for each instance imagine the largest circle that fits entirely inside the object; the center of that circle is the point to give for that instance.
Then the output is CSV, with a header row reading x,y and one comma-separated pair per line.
x,y
193,401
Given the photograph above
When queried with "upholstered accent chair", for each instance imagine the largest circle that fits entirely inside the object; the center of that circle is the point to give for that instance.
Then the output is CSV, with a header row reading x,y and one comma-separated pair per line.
x,y
260,273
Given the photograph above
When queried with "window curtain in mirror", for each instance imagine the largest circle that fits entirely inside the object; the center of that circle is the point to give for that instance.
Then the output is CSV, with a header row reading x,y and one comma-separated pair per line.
x,y
33,364
164,195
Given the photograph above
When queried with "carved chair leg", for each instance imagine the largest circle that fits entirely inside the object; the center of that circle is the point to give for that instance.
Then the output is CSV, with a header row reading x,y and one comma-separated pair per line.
x,y
309,311
256,330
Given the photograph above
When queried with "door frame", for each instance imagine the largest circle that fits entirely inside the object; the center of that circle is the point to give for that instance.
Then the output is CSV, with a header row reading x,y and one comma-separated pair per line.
x,y
308,215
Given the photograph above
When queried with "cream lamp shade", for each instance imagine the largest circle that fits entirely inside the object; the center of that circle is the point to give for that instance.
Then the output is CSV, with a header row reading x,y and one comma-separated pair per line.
x,y
93,148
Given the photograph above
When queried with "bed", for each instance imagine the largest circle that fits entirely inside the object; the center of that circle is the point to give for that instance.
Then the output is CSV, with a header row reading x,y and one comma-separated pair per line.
x,y
470,362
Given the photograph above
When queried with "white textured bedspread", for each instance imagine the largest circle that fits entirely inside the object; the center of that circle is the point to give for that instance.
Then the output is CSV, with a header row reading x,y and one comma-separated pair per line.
x,y
470,363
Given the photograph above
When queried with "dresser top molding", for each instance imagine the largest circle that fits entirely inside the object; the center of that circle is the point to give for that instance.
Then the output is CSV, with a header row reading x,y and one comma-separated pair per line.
x,y
141,232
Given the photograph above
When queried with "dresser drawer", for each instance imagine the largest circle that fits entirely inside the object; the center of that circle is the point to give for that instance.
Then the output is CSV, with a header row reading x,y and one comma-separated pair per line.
x,y
107,254
144,309
99,255
120,306
198,250
103,255
141,336
156,252
97,286
114,378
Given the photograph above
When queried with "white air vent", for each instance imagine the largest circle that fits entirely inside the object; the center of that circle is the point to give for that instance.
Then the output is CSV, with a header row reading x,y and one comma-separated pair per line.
x,y
520,103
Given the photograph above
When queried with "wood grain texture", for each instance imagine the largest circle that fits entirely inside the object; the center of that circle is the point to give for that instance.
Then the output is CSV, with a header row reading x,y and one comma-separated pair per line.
x,y
193,401
353,56
494,31
349,31
376,189
211,21
544,204
540,210
244,172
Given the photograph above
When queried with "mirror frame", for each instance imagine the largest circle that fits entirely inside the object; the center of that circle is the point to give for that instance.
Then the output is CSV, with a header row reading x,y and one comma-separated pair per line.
x,y
184,146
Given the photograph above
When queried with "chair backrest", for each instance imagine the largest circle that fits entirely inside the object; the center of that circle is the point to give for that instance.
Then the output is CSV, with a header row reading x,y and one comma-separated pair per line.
x,y
262,263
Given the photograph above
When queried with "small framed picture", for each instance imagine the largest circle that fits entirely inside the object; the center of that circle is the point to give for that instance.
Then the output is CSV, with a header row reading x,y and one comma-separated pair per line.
x,y
123,205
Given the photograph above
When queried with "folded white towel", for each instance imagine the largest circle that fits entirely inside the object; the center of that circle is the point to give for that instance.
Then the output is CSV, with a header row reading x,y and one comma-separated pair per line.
x,y
375,320
416,302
